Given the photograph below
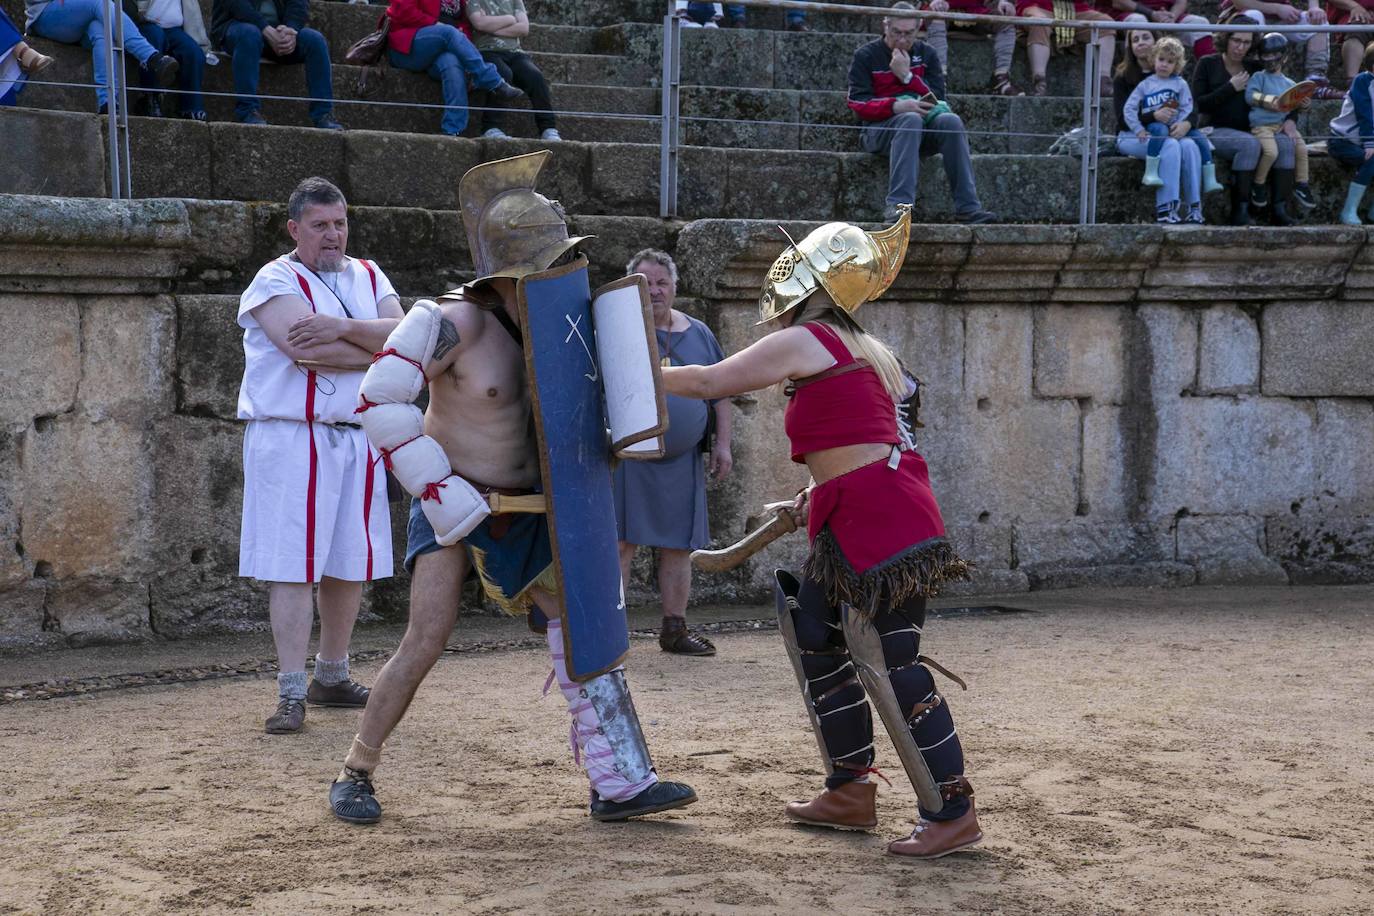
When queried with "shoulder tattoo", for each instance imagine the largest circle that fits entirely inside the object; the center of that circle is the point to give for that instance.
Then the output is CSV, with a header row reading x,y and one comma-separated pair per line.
x,y
448,338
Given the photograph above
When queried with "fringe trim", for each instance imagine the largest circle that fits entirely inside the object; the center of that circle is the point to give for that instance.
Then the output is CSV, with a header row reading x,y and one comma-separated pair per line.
x,y
922,570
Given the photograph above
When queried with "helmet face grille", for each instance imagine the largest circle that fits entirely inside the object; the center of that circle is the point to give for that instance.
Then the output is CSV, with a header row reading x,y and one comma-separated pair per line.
x,y
782,268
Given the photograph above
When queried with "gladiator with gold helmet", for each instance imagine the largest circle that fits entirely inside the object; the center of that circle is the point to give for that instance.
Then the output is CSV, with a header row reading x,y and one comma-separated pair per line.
x,y
477,463
852,621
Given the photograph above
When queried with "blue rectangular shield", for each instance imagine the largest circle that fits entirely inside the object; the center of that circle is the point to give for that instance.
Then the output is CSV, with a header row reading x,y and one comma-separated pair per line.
x,y
570,421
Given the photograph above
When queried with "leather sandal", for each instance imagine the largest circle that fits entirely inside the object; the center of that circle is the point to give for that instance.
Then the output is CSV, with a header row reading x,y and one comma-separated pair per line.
x,y
677,639
33,62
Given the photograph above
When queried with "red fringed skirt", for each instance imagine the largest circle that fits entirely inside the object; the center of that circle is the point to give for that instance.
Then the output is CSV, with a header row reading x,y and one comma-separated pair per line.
x,y
877,536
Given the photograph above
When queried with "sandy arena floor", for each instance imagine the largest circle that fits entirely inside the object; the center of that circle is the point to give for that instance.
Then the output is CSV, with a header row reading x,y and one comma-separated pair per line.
x,y
1192,751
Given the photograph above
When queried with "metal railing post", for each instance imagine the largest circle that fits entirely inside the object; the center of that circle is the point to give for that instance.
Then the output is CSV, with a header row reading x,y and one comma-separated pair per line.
x,y
668,138
122,84
1094,122
1085,176
112,57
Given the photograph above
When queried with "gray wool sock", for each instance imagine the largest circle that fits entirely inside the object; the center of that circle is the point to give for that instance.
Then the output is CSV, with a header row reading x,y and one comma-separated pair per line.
x,y
291,685
330,673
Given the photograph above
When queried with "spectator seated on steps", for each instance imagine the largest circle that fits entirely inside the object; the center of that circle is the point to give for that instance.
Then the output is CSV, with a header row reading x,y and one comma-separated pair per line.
x,y
735,17
1038,42
252,31
897,87
1351,12
497,28
1317,44
18,61
1003,37
421,42
82,22
1148,11
176,27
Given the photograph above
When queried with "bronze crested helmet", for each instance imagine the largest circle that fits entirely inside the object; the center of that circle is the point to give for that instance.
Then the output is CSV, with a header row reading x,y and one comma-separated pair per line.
x,y
512,229
853,266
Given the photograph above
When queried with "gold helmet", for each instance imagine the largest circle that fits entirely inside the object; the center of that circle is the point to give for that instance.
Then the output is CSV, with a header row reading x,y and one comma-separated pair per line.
x,y
852,265
512,229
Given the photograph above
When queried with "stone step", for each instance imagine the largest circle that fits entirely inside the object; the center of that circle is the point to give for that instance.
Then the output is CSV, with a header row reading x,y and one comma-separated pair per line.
x,y
236,162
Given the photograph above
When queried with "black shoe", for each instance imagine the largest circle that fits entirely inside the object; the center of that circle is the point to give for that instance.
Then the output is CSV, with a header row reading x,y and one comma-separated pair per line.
x,y
661,796
1283,190
1302,194
328,123
1259,195
252,118
347,694
288,718
505,92
891,213
1240,198
147,105
164,67
799,27
195,116
352,798
976,218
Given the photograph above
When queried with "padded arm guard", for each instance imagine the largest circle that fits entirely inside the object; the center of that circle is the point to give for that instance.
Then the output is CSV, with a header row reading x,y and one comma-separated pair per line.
x,y
396,428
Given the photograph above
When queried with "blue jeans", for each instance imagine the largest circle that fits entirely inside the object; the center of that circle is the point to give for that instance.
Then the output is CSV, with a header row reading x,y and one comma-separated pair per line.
x,y
1178,166
83,22
183,47
244,41
1160,132
1342,150
735,11
447,56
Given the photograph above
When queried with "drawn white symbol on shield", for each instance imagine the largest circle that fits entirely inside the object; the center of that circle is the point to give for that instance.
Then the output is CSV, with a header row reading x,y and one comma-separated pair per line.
x,y
578,331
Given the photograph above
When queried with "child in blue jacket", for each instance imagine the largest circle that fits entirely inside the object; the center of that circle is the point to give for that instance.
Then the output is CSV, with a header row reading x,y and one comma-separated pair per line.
x,y
1352,137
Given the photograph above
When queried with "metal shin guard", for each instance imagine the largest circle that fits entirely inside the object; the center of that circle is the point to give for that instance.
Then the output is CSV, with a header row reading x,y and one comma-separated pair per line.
x,y
785,591
866,649
610,697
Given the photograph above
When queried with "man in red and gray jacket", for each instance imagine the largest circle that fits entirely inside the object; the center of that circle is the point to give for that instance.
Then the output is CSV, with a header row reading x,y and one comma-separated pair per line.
x,y
897,87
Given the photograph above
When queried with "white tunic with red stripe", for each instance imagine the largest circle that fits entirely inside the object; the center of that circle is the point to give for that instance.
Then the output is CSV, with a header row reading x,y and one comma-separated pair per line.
x,y
314,496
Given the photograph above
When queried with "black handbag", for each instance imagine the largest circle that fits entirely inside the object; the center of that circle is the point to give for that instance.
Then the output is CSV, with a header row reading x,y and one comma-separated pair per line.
x,y
367,51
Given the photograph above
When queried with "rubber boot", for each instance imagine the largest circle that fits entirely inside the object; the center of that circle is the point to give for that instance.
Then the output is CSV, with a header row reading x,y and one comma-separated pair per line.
x,y
1240,197
1209,178
1350,213
1152,179
1283,181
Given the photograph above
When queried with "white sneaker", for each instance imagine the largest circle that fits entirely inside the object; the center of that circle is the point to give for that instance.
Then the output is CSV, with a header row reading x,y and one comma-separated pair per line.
x,y
495,133
690,24
550,135
710,25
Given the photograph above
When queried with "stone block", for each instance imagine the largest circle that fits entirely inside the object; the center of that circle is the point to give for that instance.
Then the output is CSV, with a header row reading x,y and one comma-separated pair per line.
x,y
97,611
206,597
989,582
1085,542
171,157
87,487
209,356
625,179
1296,332
998,346
22,618
1229,358
1163,353
987,545
1277,263
1345,447
1228,456
732,117
812,61
762,183
1227,550
432,168
1107,263
53,152
1080,352
13,570
40,357
128,358
1162,574
742,59
1013,263
266,163
198,493
1112,454
1331,549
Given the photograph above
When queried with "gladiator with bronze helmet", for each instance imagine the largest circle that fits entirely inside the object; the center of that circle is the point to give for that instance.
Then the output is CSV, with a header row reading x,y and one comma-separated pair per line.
x,y
852,621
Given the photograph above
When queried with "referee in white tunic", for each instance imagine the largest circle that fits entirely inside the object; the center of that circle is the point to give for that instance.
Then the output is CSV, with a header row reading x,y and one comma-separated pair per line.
x,y
314,494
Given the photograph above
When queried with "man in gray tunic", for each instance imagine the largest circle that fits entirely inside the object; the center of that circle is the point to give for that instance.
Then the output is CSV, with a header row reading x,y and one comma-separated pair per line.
x,y
663,503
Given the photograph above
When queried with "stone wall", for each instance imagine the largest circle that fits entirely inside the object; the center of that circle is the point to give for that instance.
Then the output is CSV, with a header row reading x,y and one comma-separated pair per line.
x,y
1109,405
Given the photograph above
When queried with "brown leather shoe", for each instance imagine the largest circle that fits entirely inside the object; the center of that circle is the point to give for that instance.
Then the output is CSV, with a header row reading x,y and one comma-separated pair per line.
x,y
933,839
348,694
677,639
288,718
853,806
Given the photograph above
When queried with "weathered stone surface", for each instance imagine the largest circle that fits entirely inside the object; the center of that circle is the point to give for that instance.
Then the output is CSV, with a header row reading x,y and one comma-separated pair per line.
x,y
625,178
1226,456
52,153
988,546
1227,550
1273,264
1163,352
1230,352
87,486
1345,455
1013,263
40,357
732,117
998,346
1110,446
1087,542
21,617
128,358
617,238
1330,549
13,570
760,181
432,168
209,356
160,172
1163,574
93,612
989,582
1296,332
266,163
1080,352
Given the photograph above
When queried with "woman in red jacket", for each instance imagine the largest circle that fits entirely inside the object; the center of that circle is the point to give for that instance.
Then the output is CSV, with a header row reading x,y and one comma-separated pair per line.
x,y
418,41
853,622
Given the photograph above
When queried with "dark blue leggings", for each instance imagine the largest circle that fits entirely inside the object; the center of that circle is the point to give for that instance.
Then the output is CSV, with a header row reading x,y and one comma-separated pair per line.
x,y
842,705
1159,132
1347,153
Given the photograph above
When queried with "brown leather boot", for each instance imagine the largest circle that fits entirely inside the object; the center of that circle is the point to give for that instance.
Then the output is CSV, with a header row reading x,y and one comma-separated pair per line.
x,y
852,806
933,839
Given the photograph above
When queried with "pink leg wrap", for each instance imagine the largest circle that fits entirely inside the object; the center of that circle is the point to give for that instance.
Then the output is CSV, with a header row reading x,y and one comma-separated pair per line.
x,y
589,747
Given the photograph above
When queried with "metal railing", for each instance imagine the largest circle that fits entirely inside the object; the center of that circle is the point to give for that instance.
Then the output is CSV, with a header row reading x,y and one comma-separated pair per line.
x,y
670,118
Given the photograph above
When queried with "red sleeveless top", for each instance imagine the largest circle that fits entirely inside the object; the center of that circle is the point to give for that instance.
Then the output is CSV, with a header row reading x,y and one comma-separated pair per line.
x,y
839,406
